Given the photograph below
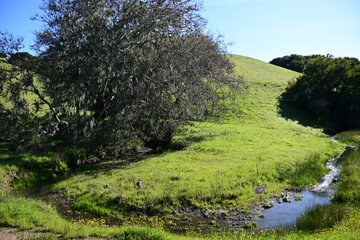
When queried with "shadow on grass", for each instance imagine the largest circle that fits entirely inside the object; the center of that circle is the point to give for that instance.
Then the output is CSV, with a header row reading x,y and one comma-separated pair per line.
x,y
305,118
10,158
123,161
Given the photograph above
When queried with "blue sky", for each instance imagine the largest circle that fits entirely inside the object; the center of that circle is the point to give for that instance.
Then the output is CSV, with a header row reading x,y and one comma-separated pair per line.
x,y
262,29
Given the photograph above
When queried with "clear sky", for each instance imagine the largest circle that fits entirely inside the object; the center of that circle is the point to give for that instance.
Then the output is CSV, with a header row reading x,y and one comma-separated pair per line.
x,y
262,29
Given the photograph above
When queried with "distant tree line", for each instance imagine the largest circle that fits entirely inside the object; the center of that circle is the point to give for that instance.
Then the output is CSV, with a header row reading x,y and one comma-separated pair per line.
x,y
293,62
112,75
329,88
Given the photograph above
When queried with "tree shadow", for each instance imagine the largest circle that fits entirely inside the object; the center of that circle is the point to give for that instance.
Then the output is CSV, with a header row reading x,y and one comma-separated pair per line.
x,y
306,118
9,157
105,165
122,161
43,167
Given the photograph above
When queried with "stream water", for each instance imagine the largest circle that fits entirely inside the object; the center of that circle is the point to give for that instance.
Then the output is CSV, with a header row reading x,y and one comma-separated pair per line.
x,y
284,215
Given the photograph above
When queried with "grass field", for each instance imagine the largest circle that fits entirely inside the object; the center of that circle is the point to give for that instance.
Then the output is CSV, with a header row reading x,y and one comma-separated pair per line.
x,y
216,167
222,167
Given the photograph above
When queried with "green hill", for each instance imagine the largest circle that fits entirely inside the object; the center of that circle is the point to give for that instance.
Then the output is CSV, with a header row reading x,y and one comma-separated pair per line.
x,y
221,164
212,166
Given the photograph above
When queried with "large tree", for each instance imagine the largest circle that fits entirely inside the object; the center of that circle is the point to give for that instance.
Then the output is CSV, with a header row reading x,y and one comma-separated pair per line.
x,y
130,69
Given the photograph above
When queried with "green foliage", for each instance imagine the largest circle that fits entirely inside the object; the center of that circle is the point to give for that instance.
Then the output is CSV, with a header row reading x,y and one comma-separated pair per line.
x,y
249,225
329,89
27,114
23,60
293,62
298,197
131,69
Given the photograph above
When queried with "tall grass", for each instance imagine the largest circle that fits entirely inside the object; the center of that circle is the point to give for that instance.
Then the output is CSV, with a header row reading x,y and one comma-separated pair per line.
x,y
352,137
321,217
303,173
349,187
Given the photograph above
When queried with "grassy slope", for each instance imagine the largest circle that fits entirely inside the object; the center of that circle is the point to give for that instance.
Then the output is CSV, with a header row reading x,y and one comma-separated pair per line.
x,y
221,169
232,158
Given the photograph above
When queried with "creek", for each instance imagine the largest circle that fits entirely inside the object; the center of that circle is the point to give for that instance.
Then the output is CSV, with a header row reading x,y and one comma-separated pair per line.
x,y
190,218
285,215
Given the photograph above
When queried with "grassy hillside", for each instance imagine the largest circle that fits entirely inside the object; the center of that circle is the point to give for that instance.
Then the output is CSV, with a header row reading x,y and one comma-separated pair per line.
x,y
216,167
222,163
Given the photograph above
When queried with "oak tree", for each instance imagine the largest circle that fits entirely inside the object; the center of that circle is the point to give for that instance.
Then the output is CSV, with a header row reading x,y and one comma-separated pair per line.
x,y
122,71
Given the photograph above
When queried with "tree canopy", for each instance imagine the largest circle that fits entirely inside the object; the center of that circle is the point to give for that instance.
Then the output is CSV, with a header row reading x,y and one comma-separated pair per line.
x,y
330,88
293,62
127,70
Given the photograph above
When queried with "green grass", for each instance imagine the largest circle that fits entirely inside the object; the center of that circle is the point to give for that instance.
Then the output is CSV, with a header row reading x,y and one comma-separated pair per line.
x,y
220,170
349,187
321,217
28,214
351,137
217,169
